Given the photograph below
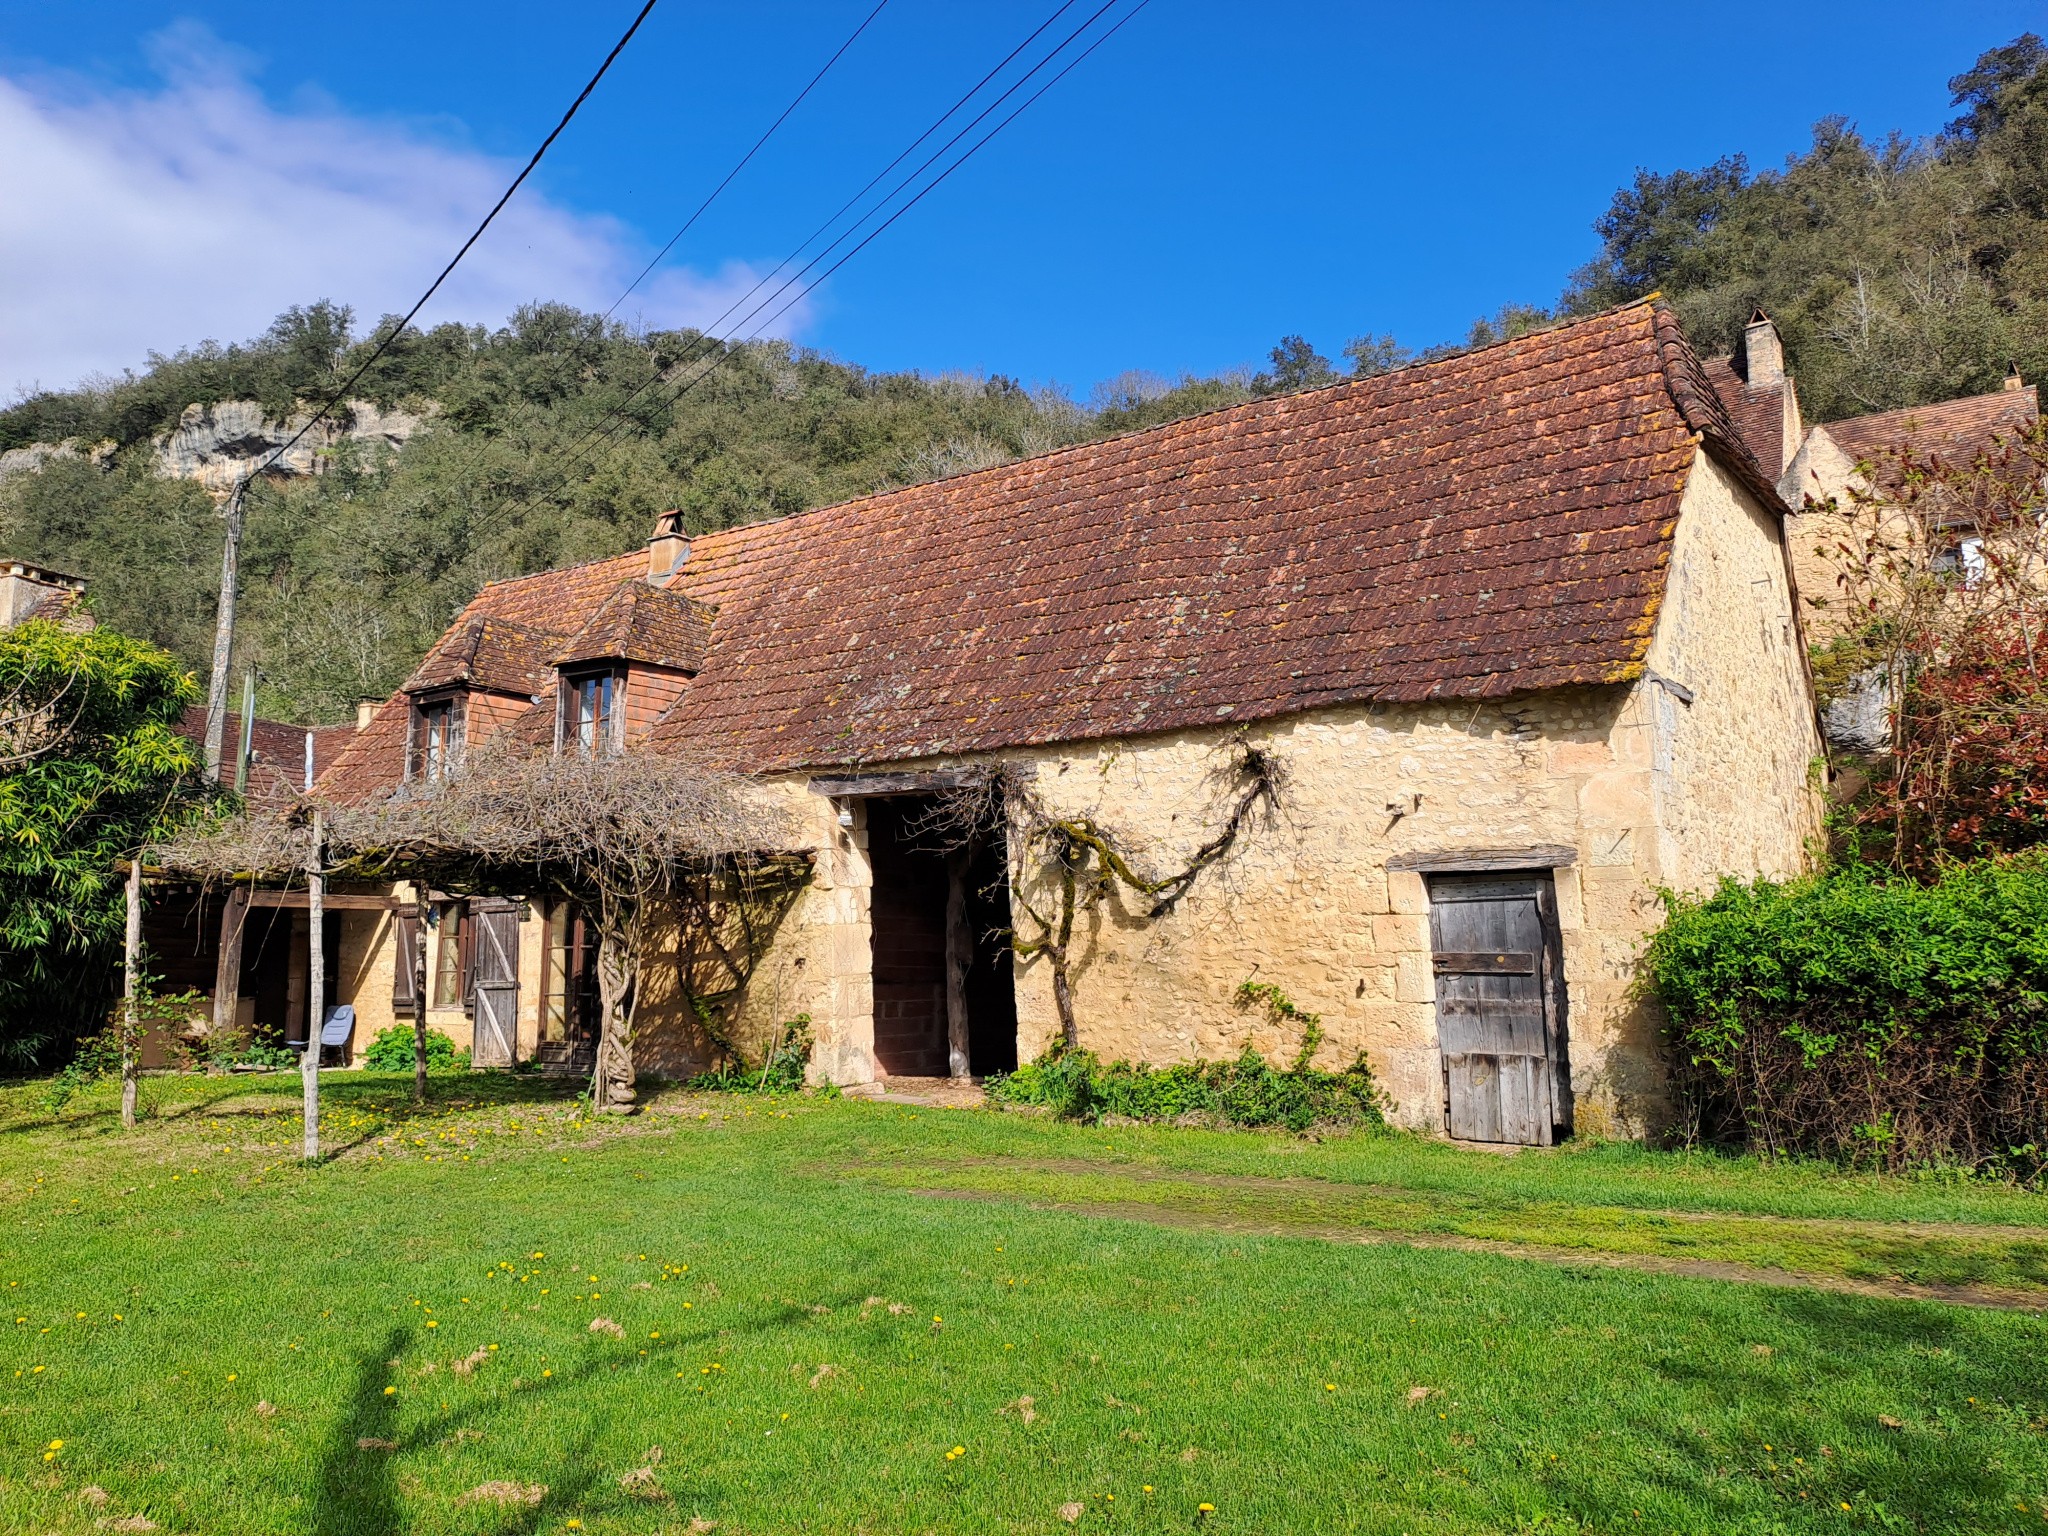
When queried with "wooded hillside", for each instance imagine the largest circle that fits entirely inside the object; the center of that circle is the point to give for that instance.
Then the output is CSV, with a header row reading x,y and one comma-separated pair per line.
x,y
1900,272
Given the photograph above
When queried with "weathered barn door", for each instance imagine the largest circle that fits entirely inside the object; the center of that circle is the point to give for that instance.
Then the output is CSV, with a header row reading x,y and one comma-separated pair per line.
x,y
1499,1013
496,982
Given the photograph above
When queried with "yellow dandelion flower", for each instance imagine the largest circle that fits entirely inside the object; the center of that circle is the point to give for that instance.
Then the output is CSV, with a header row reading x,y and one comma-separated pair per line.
x,y
391,1391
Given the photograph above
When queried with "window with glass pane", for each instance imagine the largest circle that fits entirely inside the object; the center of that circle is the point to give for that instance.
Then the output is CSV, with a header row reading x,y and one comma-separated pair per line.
x,y
590,712
436,738
451,955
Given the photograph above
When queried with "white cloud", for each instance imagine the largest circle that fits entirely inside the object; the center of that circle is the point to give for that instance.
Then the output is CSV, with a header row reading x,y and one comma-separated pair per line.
x,y
151,220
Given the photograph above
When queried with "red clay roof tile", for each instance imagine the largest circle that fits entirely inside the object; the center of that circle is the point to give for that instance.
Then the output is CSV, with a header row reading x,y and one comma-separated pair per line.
x,y
1952,429
1485,525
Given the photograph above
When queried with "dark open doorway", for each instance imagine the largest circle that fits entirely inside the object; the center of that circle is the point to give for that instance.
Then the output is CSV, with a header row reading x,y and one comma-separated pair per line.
x,y
945,998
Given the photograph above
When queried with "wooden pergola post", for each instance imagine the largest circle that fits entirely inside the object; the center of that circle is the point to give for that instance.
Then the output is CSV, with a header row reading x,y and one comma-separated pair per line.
x,y
227,971
131,1001
316,989
418,960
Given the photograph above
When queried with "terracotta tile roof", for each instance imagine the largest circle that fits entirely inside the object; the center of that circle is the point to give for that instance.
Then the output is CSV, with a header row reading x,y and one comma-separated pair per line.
x,y
1759,414
642,623
277,768
484,650
1476,527
1493,523
542,610
1953,429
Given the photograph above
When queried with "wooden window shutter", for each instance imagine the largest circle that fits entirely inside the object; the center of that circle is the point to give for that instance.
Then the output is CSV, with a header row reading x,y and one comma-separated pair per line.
x,y
406,960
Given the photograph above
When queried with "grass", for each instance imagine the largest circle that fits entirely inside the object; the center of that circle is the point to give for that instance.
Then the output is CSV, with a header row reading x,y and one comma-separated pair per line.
x,y
1111,1323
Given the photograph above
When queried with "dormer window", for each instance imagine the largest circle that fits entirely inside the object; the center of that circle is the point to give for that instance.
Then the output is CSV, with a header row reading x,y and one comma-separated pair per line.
x,y
437,729
591,713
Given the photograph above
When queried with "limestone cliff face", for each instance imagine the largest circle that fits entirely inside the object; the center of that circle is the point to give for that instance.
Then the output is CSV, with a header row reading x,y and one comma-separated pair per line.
x,y
217,444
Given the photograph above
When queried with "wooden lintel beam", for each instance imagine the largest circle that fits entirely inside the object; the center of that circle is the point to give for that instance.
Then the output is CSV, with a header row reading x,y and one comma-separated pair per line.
x,y
296,901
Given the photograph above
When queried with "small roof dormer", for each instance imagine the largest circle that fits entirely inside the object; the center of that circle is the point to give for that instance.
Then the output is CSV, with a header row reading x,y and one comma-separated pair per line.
x,y
645,625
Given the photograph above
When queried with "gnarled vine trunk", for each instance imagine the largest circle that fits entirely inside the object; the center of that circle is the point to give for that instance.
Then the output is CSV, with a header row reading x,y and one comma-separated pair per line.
x,y
618,976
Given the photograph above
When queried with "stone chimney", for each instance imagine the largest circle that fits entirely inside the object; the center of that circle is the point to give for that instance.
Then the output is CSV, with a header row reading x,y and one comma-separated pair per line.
x,y
668,549
23,588
2013,382
366,711
1763,353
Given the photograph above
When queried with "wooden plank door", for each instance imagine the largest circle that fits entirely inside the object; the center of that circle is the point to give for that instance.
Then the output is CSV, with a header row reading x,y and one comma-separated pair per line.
x,y
1499,1008
496,983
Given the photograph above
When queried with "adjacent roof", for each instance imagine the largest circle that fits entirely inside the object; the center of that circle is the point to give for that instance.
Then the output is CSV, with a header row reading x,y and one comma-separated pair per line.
x,y
1489,524
277,767
1758,412
1953,429
646,624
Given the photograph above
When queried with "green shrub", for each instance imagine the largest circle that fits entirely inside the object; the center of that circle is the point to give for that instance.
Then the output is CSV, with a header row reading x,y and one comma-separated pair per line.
x,y
1864,1016
257,1053
788,1062
392,1051
1249,1091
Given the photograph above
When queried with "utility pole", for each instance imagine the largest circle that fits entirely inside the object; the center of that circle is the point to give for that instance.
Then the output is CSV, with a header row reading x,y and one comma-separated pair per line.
x,y
316,986
224,633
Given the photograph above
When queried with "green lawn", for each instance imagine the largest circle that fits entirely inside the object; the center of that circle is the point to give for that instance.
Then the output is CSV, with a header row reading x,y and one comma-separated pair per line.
x,y
839,1317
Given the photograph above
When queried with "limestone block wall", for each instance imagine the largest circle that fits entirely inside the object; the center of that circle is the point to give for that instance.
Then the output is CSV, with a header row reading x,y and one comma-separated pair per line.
x,y
369,952
1308,903
1737,743
816,963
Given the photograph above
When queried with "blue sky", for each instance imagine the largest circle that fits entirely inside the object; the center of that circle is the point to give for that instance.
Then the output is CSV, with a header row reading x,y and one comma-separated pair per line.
x,y
1214,176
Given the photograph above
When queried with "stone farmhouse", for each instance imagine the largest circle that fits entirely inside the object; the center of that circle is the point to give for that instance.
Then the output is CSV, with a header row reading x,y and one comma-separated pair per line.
x,y
1517,629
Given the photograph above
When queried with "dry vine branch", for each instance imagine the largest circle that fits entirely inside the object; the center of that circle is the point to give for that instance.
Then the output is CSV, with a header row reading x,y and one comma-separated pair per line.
x,y
1083,858
612,833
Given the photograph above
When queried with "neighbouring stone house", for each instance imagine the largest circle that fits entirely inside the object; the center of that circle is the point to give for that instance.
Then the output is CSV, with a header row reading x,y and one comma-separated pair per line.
x,y
1819,468
1840,481
1517,630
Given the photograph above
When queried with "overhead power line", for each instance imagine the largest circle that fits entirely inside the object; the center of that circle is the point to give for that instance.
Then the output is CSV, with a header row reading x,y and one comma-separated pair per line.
x,y
725,346
741,164
803,245
224,625
498,207
713,197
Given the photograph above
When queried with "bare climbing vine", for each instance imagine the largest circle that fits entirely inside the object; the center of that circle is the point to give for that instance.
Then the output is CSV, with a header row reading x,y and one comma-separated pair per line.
x,y
1083,864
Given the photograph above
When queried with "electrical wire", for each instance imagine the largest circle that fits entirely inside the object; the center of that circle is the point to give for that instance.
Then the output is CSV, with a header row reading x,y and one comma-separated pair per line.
x,y
729,175
496,208
911,148
730,343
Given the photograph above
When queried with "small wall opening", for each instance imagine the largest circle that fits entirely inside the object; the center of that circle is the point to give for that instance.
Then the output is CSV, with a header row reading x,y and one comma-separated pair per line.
x,y
945,997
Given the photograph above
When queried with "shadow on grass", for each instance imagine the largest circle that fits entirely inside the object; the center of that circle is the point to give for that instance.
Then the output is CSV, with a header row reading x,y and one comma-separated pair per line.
x,y
1897,1410
247,1095
358,1489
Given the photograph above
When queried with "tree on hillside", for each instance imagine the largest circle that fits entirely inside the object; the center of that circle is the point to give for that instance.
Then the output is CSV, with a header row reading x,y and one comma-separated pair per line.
x,y
1899,272
1295,366
91,770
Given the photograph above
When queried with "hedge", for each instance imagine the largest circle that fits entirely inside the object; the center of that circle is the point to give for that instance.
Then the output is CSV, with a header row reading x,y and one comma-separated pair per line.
x,y
1861,1015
